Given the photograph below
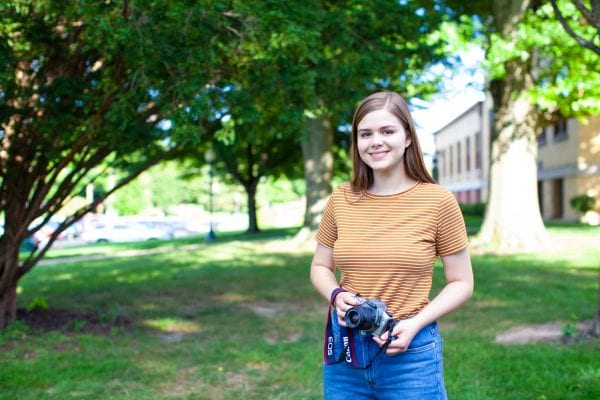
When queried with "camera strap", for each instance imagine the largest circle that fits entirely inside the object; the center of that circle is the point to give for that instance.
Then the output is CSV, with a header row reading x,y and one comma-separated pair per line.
x,y
339,344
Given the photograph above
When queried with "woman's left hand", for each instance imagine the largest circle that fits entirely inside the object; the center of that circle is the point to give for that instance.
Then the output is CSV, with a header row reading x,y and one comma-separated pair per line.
x,y
404,331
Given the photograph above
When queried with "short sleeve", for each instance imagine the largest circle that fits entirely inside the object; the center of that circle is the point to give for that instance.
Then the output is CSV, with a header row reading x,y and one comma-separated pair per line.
x,y
327,232
451,232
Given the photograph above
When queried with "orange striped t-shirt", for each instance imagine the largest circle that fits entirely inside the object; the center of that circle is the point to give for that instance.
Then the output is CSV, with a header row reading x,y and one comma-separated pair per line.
x,y
386,245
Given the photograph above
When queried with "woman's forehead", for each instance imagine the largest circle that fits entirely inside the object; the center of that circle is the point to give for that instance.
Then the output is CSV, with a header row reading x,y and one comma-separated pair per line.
x,y
378,118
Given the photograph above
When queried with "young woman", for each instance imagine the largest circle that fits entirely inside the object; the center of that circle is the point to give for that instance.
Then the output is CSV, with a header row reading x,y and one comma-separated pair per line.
x,y
384,230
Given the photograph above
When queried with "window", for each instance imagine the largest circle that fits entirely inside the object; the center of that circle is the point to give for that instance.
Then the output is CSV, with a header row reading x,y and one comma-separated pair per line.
x,y
542,138
557,198
458,158
560,131
440,164
478,150
451,161
468,154
540,191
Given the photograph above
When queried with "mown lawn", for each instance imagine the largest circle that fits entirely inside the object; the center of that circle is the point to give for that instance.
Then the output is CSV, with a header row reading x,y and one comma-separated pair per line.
x,y
239,319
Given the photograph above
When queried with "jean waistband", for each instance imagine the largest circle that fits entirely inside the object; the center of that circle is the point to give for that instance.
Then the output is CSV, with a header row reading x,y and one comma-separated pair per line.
x,y
430,331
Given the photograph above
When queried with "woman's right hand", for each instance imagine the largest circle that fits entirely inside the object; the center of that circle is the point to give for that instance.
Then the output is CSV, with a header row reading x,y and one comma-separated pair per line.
x,y
343,302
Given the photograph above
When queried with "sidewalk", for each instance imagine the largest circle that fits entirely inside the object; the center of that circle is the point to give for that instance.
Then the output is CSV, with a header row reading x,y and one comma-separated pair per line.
x,y
117,254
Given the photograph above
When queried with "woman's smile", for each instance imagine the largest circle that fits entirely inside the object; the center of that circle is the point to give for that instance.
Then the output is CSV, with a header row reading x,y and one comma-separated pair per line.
x,y
378,155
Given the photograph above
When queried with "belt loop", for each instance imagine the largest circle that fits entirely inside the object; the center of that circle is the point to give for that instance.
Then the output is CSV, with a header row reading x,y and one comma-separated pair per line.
x,y
432,329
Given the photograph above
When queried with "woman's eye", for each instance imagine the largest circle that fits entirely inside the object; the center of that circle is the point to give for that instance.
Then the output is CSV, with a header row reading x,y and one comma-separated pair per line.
x,y
388,132
364,134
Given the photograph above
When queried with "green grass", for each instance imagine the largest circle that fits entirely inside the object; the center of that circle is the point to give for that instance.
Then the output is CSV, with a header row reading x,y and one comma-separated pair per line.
x,y
111,248
239,319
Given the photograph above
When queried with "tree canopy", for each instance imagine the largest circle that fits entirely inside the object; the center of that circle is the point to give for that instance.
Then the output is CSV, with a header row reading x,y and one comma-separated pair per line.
x,y
84,87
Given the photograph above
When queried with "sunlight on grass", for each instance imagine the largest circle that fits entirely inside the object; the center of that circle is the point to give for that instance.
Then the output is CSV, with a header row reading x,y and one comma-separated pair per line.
x,y
138,277
171,324
63,277
239,318
234,298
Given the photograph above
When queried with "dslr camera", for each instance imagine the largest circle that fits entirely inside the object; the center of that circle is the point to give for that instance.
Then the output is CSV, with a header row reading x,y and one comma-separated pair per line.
x,y
370,316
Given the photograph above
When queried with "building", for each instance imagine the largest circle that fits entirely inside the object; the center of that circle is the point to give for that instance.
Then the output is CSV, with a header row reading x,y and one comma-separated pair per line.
x,y
568,165
462,153
568,160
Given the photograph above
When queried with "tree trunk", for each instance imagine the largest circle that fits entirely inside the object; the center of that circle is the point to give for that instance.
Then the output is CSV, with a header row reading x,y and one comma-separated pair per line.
x,y
9,267
513,222
318,171
8,306
250,188
15,228
595,331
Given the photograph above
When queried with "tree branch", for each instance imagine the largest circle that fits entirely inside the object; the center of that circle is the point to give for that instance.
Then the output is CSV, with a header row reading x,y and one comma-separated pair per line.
x,y
587,14
35,257
582,42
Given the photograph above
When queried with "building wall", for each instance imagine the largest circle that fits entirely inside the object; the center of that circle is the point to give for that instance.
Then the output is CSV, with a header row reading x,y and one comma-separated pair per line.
x,y
589,145
568,160
571,162
463,155
558,152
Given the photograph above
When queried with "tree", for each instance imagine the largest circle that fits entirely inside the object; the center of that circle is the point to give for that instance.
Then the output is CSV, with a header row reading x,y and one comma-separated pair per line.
x,y
320,58
584,203
256,139
589,16
295,71
531,89
84,87
362,48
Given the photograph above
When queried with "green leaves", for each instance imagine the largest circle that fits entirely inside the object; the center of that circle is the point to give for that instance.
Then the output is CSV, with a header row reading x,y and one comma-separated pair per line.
x,y
566,75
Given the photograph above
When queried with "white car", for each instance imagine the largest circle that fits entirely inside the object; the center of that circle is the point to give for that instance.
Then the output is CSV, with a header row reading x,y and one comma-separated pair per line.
x,y
124,232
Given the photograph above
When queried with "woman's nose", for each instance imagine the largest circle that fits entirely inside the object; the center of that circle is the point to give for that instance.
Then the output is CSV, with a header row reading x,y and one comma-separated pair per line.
x,y
376,139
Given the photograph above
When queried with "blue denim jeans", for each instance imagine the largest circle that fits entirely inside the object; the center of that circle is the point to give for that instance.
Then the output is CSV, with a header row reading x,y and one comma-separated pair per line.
x,y
416,374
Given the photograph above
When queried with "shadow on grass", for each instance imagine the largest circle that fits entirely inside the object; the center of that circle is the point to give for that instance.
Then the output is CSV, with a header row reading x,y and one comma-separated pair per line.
x,y
229,275
239,318
512,290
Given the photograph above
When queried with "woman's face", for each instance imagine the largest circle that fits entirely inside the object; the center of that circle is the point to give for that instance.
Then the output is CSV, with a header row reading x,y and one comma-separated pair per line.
x,y
381,141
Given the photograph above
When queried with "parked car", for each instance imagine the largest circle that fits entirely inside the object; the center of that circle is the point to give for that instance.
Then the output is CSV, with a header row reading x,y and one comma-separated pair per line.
x,y
175,229
123,232
28,245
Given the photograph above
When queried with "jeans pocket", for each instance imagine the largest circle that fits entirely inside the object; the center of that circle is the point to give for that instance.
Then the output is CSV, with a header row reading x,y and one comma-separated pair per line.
x,y
414,350
420,349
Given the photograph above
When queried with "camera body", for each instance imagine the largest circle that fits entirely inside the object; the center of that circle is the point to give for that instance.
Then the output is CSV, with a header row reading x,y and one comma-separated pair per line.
x,y
370,316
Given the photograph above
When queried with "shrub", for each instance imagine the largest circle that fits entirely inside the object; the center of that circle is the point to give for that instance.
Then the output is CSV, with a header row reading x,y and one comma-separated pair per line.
x,y
38,303
474,209
583,203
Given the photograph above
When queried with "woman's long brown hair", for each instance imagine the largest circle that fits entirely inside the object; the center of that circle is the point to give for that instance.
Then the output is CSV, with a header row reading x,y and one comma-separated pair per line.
x,y
362,174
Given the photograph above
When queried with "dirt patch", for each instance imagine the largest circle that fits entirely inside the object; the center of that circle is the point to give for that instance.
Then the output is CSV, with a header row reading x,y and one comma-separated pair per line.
x,y
268,310
72,321
552,331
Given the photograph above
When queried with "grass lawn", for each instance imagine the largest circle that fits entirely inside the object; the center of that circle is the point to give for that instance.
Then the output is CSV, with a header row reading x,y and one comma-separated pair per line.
x,y
239,319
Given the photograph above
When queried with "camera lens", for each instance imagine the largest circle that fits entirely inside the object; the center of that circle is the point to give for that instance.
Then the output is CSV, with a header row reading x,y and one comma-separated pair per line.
x,y
359,317
353,318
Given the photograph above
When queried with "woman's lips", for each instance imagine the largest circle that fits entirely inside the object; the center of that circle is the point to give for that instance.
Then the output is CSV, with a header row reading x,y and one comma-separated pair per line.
x,y
378,155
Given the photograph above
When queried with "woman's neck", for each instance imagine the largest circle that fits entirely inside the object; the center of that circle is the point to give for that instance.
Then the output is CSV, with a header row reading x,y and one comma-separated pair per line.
x,y
384,184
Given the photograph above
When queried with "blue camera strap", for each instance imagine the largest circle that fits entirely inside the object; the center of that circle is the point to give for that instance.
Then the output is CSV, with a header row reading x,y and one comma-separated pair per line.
x,y
339,344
